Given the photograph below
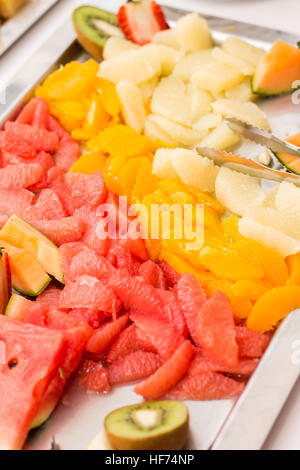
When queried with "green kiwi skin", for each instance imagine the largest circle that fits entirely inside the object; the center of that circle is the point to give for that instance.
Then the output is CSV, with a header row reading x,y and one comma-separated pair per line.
x,y
174,439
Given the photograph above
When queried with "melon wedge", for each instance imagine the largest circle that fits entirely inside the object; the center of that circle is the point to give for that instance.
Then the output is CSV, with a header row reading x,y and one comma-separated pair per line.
x,y
21,234
289,161
277,70
27,275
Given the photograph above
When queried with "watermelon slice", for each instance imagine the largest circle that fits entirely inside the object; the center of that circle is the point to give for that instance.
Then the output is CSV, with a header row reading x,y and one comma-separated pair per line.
x,y
5,281
33,357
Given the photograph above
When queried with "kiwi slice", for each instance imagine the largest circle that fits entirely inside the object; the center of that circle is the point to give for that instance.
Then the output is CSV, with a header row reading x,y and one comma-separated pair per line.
x,y
94,27
156,425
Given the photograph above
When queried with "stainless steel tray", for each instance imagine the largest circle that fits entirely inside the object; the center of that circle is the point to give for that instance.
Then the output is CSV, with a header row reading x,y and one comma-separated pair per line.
x,y
13,29
226,424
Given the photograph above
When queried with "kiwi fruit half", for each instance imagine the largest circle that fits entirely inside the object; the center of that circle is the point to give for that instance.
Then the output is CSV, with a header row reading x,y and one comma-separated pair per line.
x,y
157,425
94,27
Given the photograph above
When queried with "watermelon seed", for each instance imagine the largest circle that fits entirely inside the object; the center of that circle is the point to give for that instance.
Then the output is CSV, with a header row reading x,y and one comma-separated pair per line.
x,y
13,363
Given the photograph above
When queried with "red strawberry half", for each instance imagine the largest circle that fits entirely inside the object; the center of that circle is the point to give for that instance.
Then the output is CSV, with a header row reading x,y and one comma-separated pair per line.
x,y
141,20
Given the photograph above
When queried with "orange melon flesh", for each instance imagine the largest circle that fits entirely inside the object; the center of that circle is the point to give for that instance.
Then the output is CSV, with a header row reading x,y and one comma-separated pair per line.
x,y
277,70
289,161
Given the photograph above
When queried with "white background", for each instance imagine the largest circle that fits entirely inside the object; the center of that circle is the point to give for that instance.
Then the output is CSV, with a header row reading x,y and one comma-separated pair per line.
x,y
278,14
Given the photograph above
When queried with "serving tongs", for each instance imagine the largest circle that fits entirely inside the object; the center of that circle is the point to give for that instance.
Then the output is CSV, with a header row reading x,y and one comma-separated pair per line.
x,y
247,165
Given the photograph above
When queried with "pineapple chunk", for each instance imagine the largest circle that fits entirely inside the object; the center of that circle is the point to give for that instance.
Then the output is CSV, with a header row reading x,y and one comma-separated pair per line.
x,y
193,33
208,122
170,100
171,132
241,92
233,61
195,170
148,88
288,223
248,112
287,192
167,37
190,63
132,103
243,50
199,102
237,191
222,138
216,77
162,165
116,45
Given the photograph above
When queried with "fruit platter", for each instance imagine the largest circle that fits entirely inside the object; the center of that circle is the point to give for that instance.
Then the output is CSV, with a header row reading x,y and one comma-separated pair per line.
x,y
17,16
181,316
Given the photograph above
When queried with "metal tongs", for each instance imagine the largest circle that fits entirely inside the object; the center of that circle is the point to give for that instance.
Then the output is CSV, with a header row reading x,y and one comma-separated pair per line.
x,y
247,165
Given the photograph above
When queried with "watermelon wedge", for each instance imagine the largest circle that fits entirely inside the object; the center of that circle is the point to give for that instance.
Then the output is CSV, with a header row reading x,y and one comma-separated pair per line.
x,y
33,357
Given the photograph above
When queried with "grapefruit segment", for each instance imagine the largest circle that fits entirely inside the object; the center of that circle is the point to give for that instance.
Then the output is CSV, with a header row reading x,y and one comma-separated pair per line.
x,y
103,336
252,344
93,377
135,366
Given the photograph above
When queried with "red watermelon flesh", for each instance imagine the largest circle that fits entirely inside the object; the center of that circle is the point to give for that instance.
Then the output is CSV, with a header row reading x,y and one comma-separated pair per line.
x,y
33,356
38,138
89,315
20,176
93,376
252,344
152,274
215,330
173,311
15,201
135,293
60,231
126,343
135,366
171,276
161,333
89,292
16,145
191,298
167,375
206,386
103,336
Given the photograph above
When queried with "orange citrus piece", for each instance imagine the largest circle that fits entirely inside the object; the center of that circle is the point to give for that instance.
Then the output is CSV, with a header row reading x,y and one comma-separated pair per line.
x,y
249,289
89,163
293,264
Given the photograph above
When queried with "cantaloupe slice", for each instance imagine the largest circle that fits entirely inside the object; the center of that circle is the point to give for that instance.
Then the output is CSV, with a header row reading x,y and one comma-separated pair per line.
x,y
289,161
277,70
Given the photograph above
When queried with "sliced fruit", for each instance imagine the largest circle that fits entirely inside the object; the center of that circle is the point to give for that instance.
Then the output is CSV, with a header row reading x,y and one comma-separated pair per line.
x,y
141,20
277,70
125,343
285,193
251,343
21,234
132,103
116,45
28,276
135,366
167,375
272,307
93,377
237,191
193,33
289,161
243,50
160,425
94,27
104,335
216,77
215,330
160,127
5,281
89,163
222,138
21,176
248,112
190,63
244,67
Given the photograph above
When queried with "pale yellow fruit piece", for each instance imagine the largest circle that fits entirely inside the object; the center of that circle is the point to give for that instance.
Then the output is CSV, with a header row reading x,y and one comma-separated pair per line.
x,y
162,164
270,196
195,170
116,45
171,132
287,223
168,38
133,106
216,77
222,138
241,92
148,88
242,66
193,33
207,122
166,56
287,198
171,101
243,50
190,63
268,236
237,191
199,102
248,112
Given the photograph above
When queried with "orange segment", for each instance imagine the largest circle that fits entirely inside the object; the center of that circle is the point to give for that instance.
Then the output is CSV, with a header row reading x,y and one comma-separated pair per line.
x,y
293,264
249,289
230,227
272,307
89,163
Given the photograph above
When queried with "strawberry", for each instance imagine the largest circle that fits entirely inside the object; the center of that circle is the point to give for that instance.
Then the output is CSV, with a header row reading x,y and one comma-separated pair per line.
x,y
141,20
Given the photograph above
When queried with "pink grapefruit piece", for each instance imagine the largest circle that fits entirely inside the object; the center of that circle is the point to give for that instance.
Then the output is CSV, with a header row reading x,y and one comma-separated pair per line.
x,y
152,274
206,386
173,311
40,115
103,336
200,364
27,113
93,376
171,276
16,145
67,154
135,366
47,206
15,201
167,375
191,298
88,262
60,231
252,344
38,138
126,343
215,330
20,176
50,296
